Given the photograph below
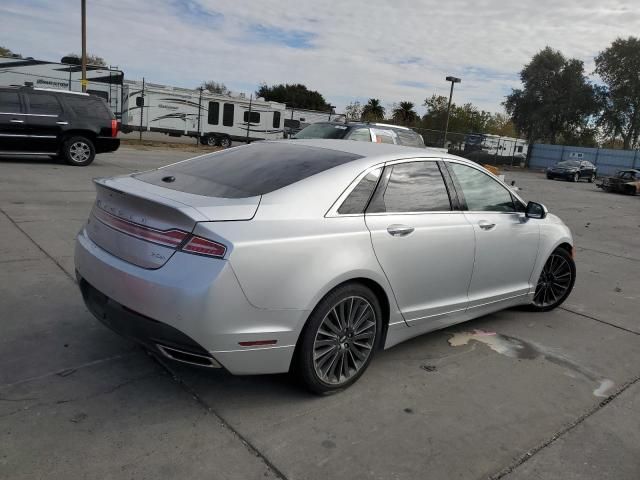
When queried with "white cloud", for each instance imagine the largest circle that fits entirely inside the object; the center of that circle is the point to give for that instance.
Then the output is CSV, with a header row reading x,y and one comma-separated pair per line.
x,y
360,48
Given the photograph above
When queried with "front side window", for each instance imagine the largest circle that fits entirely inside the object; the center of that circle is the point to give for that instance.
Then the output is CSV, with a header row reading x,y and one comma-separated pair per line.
x,y
227,115
10,102
481,192
357,200
413,187
255,117
360,135
43,104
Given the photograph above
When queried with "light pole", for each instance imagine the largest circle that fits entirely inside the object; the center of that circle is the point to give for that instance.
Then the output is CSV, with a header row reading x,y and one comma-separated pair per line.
x,y
453,81
331,107
83,8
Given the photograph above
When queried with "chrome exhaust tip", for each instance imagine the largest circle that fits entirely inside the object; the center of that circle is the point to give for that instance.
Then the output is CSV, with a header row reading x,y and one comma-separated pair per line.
x,y
190,358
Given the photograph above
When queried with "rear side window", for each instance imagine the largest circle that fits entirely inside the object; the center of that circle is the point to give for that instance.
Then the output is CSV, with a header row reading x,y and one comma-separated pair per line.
x,y
10,102
247,171
227,115
276,119
413,187
214,113
44,104
357,200
409,138
383,136
92,107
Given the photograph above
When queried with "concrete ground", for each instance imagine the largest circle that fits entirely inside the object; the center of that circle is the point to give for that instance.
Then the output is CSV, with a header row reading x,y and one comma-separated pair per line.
x,y
76,401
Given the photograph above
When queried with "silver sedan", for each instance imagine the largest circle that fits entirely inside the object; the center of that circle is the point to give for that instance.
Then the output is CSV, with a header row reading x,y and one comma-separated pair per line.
x,y
309,256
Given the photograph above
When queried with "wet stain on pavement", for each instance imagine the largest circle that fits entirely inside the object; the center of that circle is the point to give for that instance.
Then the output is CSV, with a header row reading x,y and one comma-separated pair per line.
x,y
515,348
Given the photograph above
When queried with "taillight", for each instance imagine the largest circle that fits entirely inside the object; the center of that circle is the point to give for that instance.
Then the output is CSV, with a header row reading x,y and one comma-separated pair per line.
x,y
202,246
114,128
168,238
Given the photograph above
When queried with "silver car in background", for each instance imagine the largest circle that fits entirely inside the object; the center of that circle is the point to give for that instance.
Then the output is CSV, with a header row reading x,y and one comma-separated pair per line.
x,y
308,256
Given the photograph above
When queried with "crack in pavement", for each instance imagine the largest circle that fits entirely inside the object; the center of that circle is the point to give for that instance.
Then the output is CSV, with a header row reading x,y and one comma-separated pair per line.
x,y
599,320
529,454
610,254
69,276
225,424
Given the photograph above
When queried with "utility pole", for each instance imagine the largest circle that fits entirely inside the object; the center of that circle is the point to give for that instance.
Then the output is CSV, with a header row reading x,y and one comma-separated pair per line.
x,y
453,81
83,82
249,117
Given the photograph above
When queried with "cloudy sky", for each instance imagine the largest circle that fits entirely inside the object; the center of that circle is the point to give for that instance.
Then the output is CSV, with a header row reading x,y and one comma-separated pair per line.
x,y
348,50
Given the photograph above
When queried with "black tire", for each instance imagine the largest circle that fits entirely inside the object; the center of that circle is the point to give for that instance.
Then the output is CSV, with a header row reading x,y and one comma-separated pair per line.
x,y
549,177
224,141
211,140
576,177
343,352
78,151
592,178
203,140
560,258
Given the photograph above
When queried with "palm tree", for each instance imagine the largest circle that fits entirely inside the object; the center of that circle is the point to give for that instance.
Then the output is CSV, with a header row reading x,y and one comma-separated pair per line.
x,y
373,111
405,113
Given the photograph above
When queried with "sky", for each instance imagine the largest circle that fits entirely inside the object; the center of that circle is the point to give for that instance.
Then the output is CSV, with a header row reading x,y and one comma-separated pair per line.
x,y
350,50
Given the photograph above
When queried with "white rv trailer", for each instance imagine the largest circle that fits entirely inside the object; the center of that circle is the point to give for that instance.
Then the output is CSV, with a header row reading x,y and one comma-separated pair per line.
x,y
496,144
105,82
213,118
312,116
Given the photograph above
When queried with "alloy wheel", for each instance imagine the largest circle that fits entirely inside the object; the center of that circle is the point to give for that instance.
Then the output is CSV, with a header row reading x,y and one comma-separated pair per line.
x,y
576,177
345,340
554,282
79,152
211,141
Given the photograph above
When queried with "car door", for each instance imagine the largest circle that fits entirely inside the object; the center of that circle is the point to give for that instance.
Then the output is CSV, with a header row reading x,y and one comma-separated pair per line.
x,y
506,242
12,122
45,121
423,243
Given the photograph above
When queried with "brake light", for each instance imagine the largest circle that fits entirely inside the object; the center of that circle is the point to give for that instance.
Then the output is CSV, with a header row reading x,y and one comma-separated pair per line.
x,y
114,128
168,238
203,246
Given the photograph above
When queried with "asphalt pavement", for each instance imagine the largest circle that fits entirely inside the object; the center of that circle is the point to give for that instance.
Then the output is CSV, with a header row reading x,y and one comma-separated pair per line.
x,y
513,395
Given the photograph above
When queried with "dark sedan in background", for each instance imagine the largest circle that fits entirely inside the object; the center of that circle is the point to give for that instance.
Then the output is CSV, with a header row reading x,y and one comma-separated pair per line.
x,y
573,170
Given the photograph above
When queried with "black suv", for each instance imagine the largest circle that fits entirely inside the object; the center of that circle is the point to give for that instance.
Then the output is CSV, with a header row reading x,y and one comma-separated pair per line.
x,y
74,126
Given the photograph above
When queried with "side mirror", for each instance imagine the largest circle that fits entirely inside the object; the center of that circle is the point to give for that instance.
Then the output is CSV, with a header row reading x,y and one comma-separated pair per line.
x,y
535,210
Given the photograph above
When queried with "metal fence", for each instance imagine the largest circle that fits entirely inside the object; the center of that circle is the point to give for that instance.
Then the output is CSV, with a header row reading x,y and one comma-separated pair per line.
x,y
607,160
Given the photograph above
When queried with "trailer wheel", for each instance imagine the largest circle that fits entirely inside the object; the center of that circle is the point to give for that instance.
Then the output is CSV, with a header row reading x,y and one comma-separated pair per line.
x,y
203,140
211,140
224,141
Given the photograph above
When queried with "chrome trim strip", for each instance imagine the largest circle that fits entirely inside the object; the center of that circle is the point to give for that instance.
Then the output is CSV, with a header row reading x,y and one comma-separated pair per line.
x,y
30,114
9,152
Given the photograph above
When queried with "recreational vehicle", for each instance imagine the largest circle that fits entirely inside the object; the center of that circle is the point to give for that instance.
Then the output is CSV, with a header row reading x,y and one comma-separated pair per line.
x,y
213,118
104,82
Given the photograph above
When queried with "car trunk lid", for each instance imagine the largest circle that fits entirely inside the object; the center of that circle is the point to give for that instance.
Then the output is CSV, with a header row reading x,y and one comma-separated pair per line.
x,y
144,224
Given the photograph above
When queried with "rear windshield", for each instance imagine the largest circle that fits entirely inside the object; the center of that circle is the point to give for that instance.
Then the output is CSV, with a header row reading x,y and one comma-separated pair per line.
x,y
246,171
322,130
409,138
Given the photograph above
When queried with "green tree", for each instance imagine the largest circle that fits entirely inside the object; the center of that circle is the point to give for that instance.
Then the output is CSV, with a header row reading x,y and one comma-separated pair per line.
x,y
75,59
463,119
405,113
556,102
215,87
501,124
6,52
294,95
373,111
619,68
353,111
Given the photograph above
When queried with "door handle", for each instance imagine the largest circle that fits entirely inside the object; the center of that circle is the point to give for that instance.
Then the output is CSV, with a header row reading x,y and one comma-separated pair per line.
x,y
399,230
486,225
62,123
13,120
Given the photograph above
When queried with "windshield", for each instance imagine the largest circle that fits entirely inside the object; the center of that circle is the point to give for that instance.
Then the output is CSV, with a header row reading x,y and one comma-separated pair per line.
x,y
569,163
322,130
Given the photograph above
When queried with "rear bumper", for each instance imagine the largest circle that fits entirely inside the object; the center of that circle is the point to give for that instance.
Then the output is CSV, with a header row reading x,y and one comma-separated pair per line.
x,y
107,144
192,303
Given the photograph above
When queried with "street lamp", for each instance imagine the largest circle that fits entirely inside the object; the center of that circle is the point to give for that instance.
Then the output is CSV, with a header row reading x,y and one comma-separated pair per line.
x,y
83,14
331,107
453,81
